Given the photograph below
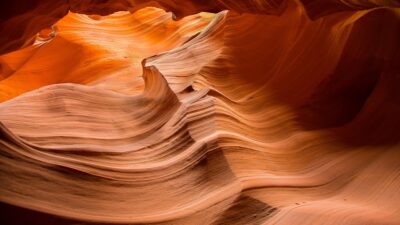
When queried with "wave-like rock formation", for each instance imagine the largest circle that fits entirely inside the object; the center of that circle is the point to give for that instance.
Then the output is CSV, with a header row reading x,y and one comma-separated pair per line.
x,y
200,112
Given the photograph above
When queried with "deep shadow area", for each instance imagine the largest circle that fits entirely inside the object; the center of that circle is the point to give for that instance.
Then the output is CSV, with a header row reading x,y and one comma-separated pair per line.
x,y
14,215
357,99
246,210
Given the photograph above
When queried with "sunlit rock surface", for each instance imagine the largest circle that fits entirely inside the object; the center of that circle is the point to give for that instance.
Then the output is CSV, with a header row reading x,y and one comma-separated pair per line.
x,y
200,112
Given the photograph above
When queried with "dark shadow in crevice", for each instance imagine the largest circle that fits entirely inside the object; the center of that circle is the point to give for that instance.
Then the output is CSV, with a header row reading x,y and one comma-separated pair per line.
x,y
362,86
246,210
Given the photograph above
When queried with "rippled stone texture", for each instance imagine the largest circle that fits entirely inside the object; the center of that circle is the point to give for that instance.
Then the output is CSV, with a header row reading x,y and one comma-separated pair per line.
x,y
266,112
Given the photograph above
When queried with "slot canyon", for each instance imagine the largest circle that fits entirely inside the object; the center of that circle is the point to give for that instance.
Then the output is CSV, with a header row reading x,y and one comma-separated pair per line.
x,y
200,112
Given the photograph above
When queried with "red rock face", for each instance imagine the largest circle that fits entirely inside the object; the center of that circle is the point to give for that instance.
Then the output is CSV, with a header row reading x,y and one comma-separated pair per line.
x,y
214,112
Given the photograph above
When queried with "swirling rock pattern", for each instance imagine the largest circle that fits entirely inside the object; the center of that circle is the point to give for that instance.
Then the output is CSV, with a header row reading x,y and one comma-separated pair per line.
x,y
265,112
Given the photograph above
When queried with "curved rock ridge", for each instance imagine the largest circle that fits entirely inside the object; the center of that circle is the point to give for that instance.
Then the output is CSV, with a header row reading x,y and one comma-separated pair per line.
x,y
31,16
95,50
272,112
